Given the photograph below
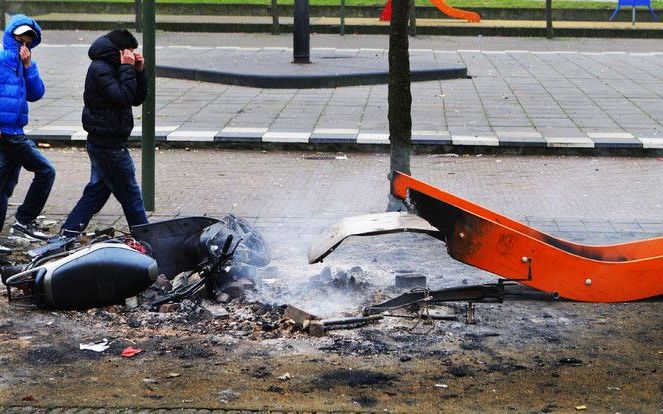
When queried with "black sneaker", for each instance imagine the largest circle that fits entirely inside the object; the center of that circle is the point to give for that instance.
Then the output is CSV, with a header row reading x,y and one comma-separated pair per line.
x,y
29,230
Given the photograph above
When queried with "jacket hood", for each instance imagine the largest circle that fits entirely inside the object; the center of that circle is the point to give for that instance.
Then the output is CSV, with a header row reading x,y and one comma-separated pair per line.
x,y
104,49
8,41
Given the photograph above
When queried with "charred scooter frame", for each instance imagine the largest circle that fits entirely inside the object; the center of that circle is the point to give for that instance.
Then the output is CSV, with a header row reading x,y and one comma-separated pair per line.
x,y
109,269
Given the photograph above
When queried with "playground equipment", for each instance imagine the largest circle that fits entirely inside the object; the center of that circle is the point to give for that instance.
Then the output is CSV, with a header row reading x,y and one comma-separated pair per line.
x,y
485,239
633,4
471,17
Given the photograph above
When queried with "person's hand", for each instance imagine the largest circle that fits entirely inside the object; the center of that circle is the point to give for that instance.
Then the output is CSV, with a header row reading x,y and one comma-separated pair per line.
x,y
127,57
25,55
140,62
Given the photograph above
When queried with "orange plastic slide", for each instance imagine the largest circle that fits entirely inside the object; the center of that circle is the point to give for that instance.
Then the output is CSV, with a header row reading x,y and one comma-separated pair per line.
x,y
471,17
485,239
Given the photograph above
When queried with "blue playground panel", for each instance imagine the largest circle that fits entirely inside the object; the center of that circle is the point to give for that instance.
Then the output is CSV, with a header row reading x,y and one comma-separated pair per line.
x,y
634,3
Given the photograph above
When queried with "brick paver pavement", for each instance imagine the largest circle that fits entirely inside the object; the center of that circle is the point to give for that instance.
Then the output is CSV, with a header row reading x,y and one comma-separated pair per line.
x,y
294,195
523,92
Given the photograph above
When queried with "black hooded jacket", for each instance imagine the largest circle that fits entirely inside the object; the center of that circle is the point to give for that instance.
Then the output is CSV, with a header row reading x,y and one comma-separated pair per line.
x,y
111,89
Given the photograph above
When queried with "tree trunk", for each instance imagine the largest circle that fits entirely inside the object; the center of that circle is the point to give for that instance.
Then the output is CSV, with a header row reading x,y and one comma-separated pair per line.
x,y
400,97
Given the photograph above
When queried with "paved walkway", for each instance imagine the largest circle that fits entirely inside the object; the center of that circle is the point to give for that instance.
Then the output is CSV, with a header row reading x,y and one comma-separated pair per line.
x,y
293,196
581,94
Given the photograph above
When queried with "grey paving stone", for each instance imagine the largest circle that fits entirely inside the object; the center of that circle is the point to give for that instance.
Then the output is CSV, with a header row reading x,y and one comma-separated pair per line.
x,y
568,225
625,226
562,132
333,136
614,140
552,122
239,134
549,227
280,124
431,138
291,137
569,142
651,143
509,122
599,226
41,134
522,141
651,226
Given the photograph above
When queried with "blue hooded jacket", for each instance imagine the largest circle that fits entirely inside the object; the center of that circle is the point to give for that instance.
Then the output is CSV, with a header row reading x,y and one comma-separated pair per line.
x,y
18,85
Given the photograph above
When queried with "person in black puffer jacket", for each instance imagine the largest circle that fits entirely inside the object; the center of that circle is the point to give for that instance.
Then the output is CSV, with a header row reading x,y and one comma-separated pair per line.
x,y
115,82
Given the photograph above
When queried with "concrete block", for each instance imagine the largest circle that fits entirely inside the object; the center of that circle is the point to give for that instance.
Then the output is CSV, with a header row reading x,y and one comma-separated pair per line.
x,y
410,280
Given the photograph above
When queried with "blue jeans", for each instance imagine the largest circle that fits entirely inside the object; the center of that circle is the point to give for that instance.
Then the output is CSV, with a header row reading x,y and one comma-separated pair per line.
x,y
112,172
17,151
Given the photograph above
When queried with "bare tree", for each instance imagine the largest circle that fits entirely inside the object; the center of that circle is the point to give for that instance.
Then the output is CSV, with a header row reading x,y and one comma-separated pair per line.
x,y
400,97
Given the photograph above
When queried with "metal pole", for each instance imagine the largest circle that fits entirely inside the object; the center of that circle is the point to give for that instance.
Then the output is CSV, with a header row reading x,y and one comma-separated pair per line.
x,y
275,18
549,24
342,17
301,33
3,11
412,29
138,8
149,26
633,15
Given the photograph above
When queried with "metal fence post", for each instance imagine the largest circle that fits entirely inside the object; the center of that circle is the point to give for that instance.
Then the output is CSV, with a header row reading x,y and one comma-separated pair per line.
x,y
138,8
275,18
549,23
149,106
342,17
633,15
412,11
3,12
301,33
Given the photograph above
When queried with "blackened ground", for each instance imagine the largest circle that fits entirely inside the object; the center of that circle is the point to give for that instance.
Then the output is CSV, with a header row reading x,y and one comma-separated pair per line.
x,y
528,353
512,359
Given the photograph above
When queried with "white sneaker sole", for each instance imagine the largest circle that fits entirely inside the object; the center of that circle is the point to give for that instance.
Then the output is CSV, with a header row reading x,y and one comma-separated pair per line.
x,y
18,233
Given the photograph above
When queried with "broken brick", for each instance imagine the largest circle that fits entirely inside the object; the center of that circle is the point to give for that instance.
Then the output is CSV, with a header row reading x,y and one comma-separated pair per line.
x,y
169,307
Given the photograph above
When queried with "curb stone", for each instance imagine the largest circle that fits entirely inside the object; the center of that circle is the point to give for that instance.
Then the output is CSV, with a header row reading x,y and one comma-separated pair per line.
x,y
373,139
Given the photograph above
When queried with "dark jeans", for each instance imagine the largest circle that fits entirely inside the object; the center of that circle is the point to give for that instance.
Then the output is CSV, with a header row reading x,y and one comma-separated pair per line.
x,y
17,151
112,172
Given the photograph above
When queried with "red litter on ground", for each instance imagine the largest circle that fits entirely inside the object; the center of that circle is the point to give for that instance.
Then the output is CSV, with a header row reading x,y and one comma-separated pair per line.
x,y
131,351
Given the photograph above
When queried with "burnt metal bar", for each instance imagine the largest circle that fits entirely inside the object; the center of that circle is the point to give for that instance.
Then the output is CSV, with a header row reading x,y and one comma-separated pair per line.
x,y
301,33
423,317
474,293
346,326
352,320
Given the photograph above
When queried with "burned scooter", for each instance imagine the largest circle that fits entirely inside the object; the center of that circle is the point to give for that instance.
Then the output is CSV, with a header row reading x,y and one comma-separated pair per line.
x,y
63,274
106,269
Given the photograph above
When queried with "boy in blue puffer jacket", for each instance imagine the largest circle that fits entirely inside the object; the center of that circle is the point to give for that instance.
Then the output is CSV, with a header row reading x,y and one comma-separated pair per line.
x,y
19,84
